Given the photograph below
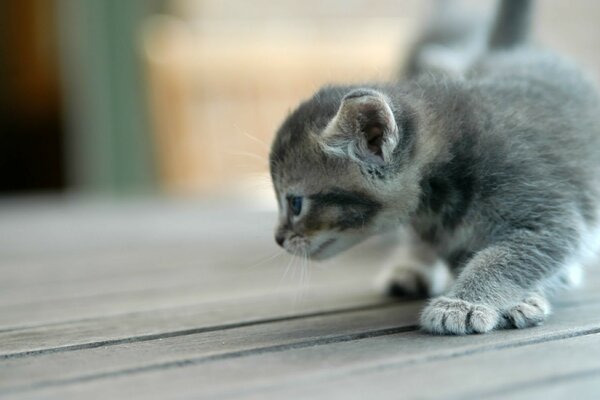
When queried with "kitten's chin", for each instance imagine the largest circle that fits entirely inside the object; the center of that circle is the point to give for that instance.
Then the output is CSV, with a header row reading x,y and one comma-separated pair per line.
x,y
323,251
333,247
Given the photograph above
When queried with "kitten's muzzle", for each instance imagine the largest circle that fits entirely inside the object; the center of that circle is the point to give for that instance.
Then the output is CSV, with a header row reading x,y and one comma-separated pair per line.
x,y
279,239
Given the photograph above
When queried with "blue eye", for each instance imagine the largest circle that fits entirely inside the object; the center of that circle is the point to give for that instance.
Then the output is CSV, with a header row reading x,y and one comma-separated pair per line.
x,y
295,204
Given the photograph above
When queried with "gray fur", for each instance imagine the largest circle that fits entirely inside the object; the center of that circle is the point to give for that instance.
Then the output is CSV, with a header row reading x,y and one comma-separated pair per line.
x,y
497,171
454,36
512,25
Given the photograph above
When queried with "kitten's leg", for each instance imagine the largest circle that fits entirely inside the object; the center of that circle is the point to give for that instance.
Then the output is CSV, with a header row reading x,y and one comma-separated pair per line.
x,y
501,282
534,309
415,272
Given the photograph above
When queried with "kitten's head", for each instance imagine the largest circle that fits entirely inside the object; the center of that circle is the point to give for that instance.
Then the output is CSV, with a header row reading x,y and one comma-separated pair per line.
x,y
341,171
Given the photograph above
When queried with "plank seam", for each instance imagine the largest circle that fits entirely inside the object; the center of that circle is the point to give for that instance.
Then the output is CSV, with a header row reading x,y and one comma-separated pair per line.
x,y
138,312
557,305
300,345
421,360
216,357
193,331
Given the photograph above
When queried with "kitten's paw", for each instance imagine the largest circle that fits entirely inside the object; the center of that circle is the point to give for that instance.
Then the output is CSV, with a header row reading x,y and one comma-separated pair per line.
x,y
446,315
531,312
416,281
408,283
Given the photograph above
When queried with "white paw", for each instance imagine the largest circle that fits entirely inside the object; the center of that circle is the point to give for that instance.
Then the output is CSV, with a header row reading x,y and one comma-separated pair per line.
x,y
531,312
446,315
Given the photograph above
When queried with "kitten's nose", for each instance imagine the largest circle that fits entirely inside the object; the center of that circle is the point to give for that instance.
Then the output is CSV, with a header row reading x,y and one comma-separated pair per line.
x,y
279,239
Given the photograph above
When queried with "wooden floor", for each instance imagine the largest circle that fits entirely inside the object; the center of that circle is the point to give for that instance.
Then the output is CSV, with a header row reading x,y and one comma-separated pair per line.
x,y
165,299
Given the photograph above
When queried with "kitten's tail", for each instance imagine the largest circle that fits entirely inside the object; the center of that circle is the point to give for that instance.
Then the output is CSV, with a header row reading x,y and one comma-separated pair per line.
x,y
452,39
512,25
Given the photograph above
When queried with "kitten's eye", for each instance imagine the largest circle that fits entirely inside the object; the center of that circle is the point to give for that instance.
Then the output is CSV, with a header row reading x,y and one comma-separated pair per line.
x,y
295,205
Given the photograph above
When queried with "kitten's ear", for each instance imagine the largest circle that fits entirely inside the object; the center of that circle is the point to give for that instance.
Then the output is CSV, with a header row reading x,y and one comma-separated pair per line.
x,y
363,129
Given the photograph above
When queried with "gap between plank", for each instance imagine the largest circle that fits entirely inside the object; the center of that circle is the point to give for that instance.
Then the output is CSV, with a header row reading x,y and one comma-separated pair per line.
x,y
192,331
301,345
137,313
218,357
557,304
420,360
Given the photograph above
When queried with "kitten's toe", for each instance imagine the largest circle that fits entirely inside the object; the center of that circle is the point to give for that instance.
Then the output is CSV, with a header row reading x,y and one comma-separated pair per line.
x,y
531,312
446,315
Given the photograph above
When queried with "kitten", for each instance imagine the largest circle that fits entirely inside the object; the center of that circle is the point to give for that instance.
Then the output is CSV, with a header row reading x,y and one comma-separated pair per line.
x,y
496,171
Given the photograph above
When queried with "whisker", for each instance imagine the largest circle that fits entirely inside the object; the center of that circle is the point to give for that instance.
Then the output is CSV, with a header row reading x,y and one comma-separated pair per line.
x,y
257,140
248,154
267,259
304,274
295,268
285,273
309,268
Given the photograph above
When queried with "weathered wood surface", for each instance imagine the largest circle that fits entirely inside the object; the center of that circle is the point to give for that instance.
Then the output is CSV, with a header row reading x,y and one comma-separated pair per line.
x,y
164,299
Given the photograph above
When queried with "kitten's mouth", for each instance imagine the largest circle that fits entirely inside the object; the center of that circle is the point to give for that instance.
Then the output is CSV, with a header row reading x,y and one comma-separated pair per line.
x,y
322,247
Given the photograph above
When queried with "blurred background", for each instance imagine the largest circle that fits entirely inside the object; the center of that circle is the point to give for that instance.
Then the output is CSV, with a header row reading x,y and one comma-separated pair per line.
x,y
182,97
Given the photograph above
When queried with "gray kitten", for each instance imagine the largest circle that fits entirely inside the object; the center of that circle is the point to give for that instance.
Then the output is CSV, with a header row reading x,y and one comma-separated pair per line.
x,y
497,171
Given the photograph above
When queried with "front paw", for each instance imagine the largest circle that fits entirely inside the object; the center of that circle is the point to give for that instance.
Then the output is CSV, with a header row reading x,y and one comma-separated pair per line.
x,y
530,312
450,316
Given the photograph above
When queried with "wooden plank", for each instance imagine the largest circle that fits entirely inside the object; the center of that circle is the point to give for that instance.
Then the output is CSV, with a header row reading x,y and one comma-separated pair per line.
x,y
475,376
69,287
241,285
252,359
105,251
98,252
212,343
86,250
93,297
162,267
164,322
36,229
169,269
55,324
74,327
579,385
34,245
121,295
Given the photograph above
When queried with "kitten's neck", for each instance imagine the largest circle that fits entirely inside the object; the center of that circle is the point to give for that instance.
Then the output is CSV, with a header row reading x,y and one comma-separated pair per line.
x,y
444,153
